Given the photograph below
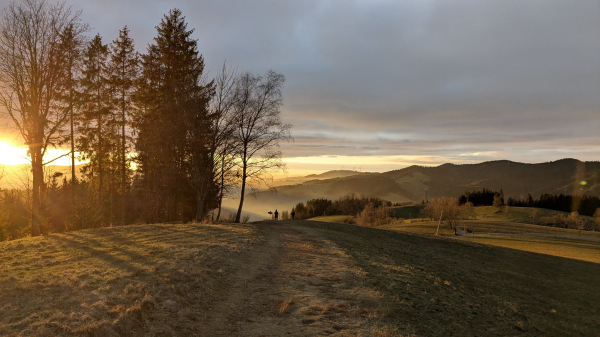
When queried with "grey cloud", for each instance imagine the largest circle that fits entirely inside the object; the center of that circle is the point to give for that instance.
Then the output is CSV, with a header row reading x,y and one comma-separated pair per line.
x,y
516,78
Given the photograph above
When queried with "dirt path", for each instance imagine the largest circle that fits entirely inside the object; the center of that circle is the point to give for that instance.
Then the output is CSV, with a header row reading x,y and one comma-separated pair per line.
x,y
296,284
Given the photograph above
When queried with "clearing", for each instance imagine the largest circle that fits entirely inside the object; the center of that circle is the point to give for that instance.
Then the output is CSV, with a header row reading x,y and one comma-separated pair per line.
x,y
297,278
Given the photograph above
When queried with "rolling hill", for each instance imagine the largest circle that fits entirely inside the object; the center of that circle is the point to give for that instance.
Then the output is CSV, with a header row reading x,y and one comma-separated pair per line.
x,y
416,183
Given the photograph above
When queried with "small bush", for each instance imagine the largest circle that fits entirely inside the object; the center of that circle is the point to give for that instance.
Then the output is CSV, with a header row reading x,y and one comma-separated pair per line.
x,y
374,216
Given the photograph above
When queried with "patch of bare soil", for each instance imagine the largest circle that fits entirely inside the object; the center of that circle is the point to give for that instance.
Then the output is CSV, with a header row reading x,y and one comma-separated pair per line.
x,y
298,284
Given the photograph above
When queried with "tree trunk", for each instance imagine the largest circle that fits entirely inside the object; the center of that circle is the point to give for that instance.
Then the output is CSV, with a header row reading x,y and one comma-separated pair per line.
x,y
222,186
38,181
123,162
239,212
199,205
72,135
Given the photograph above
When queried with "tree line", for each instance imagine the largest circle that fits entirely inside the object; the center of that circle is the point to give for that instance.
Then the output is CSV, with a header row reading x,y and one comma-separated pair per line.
x,y
582,204
350,204
161,141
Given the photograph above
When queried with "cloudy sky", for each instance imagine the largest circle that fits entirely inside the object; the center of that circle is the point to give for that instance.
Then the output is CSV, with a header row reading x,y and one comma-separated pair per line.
x,y
381,84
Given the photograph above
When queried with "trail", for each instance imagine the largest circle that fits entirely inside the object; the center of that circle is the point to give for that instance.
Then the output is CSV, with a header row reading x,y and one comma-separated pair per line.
x,y
295,283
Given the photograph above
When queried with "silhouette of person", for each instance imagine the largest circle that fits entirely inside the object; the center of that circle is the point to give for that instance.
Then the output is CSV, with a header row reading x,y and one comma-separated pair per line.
x,y
293,214
276,214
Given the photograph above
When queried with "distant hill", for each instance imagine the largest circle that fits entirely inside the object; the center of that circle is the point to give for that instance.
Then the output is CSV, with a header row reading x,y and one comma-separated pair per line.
x,y
326,175
416,183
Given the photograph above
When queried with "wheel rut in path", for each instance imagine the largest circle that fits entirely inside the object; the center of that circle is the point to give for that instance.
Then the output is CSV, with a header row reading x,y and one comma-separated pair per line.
x,y
296,284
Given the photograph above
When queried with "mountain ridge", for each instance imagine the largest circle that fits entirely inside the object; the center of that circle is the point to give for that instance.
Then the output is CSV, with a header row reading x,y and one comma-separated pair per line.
x,y
416,183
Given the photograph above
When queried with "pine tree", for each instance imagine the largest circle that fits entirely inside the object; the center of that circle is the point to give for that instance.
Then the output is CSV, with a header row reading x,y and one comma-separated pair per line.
x,y
97,122
72,42
124,63
174,125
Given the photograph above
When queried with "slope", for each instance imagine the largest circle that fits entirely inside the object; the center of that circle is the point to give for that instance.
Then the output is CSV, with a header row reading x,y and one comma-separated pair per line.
x,y
301,278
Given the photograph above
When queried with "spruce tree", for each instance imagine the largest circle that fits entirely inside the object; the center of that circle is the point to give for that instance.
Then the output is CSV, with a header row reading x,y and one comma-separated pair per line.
x,y
174,125
124,63
97,122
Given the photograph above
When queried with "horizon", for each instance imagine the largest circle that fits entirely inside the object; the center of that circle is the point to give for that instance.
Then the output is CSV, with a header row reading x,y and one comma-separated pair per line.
x,y
519,85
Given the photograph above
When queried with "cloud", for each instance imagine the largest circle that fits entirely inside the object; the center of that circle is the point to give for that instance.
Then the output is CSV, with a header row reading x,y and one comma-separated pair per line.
x,y
510,79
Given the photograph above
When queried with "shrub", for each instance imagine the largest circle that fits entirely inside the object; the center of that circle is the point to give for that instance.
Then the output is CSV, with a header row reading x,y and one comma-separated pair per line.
x,y
373,216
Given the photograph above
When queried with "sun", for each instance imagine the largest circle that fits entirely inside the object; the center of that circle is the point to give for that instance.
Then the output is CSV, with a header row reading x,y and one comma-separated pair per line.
x,y
12,155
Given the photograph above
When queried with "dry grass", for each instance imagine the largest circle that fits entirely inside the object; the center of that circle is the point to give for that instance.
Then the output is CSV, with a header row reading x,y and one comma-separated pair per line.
x,y
517,214
583,250
425,228
151,279
501,227
332,218
300,278
447,287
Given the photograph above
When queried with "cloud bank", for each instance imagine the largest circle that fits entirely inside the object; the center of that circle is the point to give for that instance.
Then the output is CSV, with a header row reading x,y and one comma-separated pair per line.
x,y
428,81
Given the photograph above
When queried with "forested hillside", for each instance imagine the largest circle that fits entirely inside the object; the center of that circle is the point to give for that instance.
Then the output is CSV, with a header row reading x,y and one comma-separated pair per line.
x,y
416,183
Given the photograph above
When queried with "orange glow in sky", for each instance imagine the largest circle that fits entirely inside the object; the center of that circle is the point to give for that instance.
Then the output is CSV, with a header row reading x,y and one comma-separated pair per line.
x,y
12,155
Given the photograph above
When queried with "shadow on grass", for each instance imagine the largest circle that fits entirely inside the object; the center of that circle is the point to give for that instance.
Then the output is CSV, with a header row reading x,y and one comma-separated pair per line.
x,y
463,288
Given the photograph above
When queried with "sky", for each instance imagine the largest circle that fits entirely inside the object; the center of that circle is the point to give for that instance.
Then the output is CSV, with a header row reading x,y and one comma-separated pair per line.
x,y
379,85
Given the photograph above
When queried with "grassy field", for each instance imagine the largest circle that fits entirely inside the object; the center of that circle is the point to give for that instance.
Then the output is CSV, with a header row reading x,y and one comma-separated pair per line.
x,y
449,287
406,212
499,227
516,214
300,278
332,218
424,228
134,280
584,250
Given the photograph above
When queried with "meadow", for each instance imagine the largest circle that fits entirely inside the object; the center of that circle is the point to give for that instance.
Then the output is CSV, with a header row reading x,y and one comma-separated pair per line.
x,y
302,278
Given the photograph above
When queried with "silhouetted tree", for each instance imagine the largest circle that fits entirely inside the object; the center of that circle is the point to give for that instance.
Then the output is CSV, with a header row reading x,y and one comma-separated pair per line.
x,y
124,65
174,126
97,126
224,144
258,128
32,72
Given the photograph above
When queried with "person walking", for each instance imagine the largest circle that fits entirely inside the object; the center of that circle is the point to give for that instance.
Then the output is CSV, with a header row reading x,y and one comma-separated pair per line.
x,y
293,214
276,214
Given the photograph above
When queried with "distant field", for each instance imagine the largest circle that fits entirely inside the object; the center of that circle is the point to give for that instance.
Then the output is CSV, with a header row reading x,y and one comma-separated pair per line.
x,y
331,218
406,212
498,227
516,214
584,250
426,228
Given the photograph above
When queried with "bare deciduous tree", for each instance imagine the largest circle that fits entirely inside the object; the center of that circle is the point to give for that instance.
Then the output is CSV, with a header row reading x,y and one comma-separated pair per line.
x,y
258,128
447,210
32,73
223,142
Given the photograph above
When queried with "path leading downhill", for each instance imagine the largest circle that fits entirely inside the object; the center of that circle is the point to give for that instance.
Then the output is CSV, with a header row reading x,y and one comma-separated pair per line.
x,y
295,283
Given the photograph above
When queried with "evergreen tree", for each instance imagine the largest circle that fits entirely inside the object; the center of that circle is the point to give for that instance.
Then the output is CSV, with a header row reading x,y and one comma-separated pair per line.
x,y
174,126
72,43
124,63
97,129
